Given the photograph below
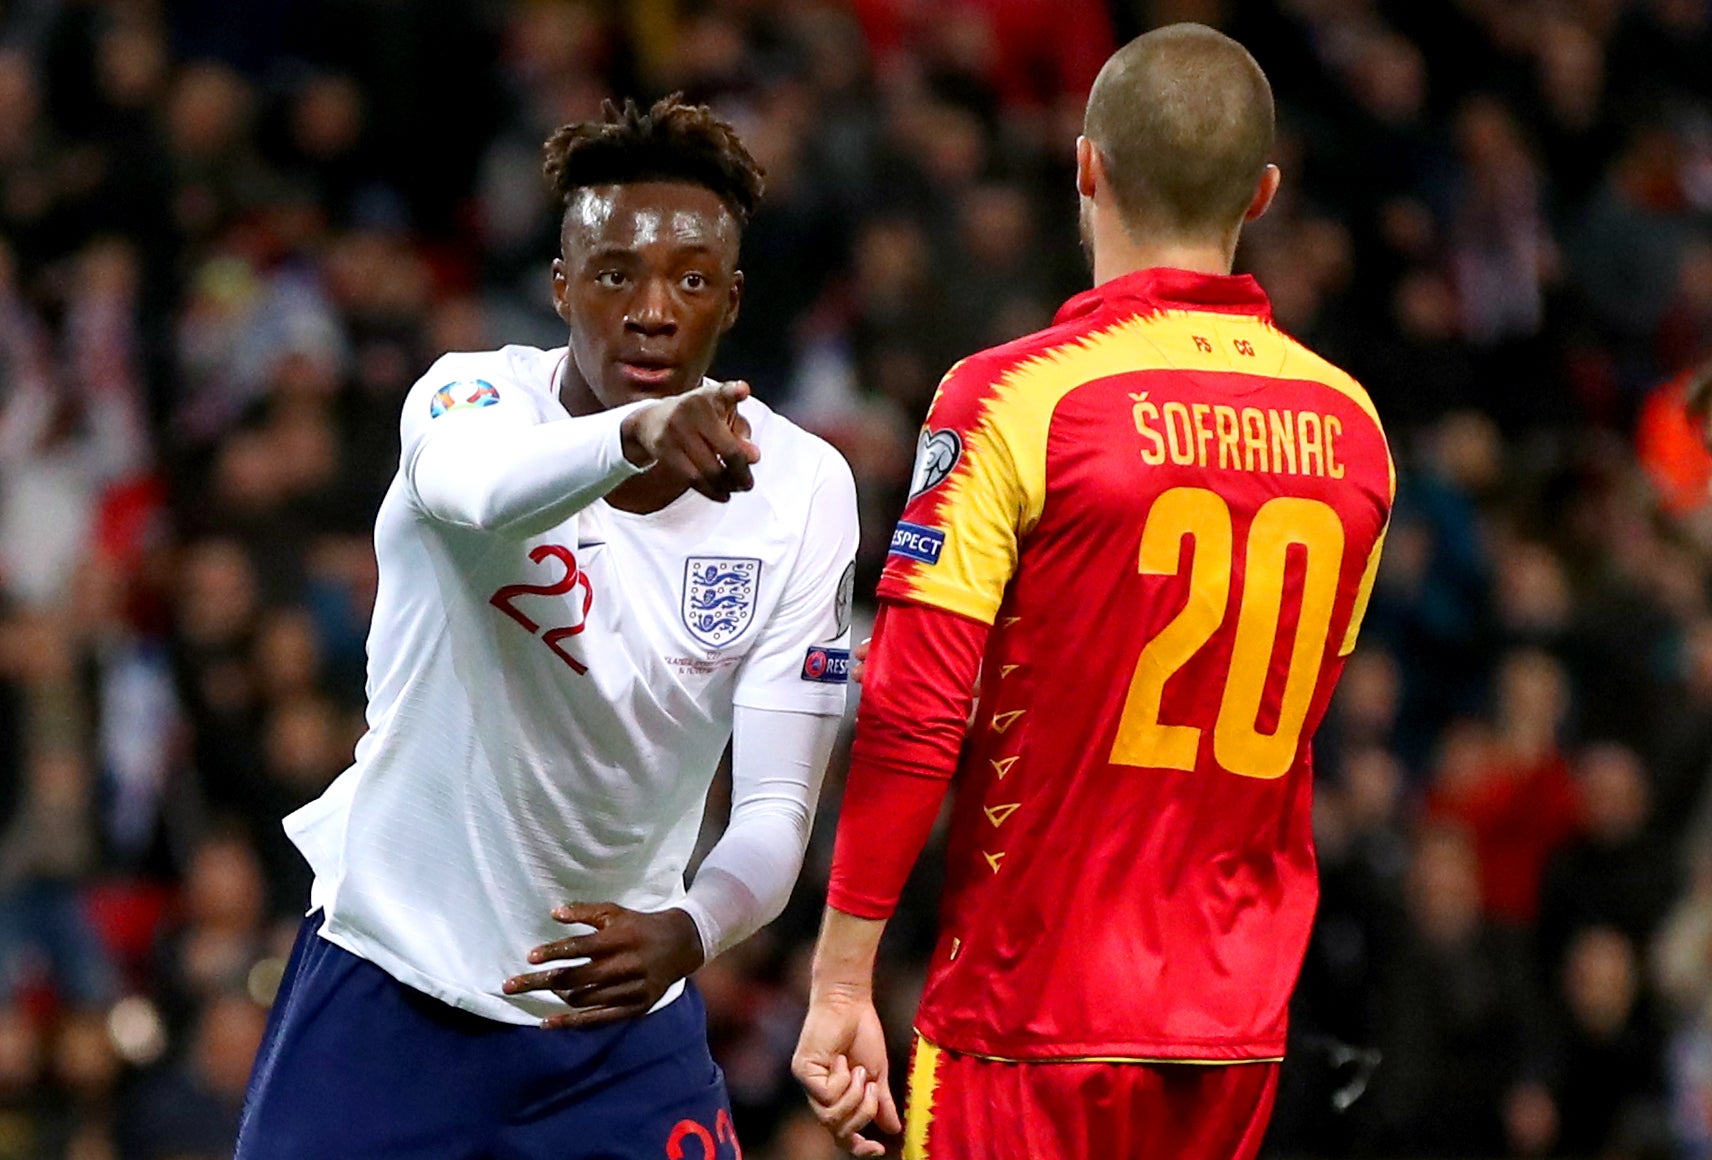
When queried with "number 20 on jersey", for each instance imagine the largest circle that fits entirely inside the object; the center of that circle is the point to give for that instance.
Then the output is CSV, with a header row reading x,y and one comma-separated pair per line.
x,y
1280,524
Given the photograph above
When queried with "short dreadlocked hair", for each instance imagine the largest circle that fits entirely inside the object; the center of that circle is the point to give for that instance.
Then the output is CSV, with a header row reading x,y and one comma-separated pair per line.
x,y
671,141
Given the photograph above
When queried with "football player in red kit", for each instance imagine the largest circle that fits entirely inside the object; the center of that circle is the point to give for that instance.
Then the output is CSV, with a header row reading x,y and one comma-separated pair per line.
x,y
1151,530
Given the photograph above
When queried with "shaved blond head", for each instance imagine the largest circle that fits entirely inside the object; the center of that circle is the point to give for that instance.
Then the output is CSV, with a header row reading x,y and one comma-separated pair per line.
x,y
1182,119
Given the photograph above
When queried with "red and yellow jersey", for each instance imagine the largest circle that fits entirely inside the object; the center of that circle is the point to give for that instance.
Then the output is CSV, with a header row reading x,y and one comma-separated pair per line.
x,y
1171,513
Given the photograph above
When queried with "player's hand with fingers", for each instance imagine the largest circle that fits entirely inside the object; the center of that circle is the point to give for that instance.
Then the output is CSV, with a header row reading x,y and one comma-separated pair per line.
x,y
859,659
841,1063
633,956
697,438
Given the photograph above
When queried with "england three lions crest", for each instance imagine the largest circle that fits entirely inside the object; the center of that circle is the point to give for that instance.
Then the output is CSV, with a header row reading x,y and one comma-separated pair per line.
x,y
719,597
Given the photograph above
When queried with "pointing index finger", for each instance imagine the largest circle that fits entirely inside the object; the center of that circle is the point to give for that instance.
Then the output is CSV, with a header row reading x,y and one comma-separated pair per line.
x,y
732,392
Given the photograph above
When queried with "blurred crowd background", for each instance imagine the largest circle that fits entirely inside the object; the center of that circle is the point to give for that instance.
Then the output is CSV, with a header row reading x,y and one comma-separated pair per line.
x,y
232,234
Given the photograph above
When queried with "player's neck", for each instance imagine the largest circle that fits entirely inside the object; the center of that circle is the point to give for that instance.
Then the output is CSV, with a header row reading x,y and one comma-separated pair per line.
x,y
1116,253
575,395
645,493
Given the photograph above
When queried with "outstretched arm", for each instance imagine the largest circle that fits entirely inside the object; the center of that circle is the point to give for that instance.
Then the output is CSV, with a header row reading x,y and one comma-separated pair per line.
x,y
493,468
918,684
518,481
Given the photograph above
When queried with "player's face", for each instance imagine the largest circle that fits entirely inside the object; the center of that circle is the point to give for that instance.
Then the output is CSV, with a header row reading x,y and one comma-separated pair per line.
x,y
647,281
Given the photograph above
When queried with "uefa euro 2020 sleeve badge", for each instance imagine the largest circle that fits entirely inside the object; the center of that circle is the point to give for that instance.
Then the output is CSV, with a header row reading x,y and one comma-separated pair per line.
x,y
463,395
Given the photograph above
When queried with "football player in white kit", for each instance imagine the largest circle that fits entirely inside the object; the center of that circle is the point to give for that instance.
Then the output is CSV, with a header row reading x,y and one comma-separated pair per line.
x,y
596,569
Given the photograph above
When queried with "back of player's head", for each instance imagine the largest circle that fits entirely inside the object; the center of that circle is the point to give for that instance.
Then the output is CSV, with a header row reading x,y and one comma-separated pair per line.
x,y
671,141
1182,118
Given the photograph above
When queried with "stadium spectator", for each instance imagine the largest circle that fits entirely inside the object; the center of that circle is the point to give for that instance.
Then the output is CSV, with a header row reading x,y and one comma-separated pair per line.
x,y
1608,1085
1614,873
1461,1025
1515,797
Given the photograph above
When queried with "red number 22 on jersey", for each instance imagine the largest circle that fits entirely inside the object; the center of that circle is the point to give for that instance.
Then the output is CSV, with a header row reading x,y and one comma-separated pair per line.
x,y
574,577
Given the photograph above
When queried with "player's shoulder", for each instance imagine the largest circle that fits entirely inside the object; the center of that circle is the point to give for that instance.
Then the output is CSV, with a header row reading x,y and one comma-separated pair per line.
x,y
980,373
803,486
479,378
971,395
1303,363
795,462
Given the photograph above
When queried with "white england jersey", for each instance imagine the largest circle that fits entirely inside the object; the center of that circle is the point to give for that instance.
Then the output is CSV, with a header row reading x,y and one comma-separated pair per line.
x,y
546,710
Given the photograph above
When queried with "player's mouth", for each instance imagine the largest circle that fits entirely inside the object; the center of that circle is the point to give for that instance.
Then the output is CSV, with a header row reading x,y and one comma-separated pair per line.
x,y
648,372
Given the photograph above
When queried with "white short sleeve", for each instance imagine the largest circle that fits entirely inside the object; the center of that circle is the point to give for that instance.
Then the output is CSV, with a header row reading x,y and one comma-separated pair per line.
x,y
801,663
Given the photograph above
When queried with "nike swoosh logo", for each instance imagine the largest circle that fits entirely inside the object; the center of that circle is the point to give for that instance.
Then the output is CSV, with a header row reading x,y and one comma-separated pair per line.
x,y
581,544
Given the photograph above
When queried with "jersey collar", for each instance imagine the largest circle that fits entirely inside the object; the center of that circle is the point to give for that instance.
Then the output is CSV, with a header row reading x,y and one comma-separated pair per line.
x,y
1163,288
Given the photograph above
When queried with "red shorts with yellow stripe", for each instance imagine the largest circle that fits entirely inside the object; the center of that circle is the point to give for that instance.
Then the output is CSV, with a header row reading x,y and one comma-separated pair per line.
x,y
963,1107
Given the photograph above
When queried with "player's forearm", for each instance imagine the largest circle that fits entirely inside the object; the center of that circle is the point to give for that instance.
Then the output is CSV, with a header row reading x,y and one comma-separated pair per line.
x,y
916,694
521,481
844,956
745,881
778,761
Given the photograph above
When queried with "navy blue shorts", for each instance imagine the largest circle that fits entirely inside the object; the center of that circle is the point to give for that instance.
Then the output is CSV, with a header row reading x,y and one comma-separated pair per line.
x,y
358,1066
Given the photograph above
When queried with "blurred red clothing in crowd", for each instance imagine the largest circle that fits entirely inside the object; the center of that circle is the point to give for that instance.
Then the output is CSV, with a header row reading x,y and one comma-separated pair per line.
x,y
1669,444
1036,52
1518,811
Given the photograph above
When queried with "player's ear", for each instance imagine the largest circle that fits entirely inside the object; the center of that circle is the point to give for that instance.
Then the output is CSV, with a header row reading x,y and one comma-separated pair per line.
x,y
1087,160
734,302
561,290
1264,193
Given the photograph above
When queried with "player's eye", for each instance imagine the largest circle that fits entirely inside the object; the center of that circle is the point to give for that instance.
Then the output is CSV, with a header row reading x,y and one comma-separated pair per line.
x,y
693,281
611,279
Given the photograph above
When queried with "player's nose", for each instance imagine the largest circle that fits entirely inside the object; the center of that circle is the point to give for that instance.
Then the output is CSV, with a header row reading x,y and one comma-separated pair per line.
x,y
651,310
